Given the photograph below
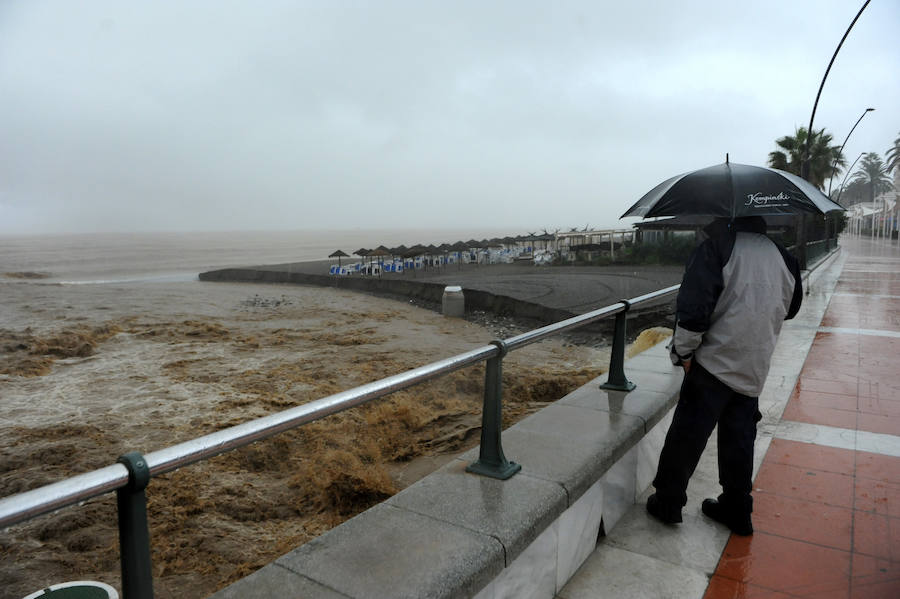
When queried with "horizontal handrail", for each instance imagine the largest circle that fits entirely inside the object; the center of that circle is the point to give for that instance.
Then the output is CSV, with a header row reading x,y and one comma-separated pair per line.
x,y
16,508
23,506
584,319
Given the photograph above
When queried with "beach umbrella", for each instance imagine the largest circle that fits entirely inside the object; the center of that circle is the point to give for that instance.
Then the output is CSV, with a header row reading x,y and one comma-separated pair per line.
x,y
459,246
732,190
338,254
380,252
416,250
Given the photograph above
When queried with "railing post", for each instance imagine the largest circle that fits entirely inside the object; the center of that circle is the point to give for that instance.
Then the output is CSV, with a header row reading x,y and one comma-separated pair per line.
x,y
134,534
617,381
491,461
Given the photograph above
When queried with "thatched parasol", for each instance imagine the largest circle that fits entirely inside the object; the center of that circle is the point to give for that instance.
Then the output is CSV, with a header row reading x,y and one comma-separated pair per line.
x,y
338,254
416,250
380,252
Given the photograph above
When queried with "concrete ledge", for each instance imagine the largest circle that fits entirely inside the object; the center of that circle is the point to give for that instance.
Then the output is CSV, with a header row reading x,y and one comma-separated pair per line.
x,y
392,287
475,299
585,459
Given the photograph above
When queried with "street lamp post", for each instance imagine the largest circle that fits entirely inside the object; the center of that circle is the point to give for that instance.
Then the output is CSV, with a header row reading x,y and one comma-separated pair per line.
x,y
834,163
804,157
841,188
804,164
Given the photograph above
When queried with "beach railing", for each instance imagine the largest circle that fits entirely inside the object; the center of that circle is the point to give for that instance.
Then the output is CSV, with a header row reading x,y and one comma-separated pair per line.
x,y
132,472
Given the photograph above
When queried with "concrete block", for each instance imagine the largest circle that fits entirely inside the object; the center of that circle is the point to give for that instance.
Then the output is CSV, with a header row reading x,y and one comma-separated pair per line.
x,y
391,552
649,406
515,511
569,445
276,581
453,302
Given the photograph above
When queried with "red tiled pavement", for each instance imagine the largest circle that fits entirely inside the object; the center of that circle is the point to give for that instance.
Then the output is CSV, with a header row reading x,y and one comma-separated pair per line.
x,y
827,520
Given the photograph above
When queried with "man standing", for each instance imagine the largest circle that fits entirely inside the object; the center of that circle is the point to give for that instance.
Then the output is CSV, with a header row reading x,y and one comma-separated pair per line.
x,y
738,288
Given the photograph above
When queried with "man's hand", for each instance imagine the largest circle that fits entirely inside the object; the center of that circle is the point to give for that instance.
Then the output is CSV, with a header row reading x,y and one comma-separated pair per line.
x,y
686,364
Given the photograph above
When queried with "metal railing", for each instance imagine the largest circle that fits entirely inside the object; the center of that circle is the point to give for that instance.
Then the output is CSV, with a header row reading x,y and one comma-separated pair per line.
x,y
129,476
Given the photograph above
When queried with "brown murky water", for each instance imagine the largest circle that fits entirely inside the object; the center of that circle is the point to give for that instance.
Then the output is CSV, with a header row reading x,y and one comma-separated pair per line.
x,y
88,372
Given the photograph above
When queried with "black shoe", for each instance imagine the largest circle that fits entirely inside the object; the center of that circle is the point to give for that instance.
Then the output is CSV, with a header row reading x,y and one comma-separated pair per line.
x,y
666,513
739,523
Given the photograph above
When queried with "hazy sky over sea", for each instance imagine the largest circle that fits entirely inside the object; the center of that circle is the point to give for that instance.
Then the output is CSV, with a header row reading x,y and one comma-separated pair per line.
x,y
217,115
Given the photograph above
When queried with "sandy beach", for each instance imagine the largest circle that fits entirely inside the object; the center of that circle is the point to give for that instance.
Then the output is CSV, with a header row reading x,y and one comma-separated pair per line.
x,y
88,372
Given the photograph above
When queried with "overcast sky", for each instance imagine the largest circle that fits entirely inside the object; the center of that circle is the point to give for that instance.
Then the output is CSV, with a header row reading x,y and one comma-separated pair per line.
x,y
189,115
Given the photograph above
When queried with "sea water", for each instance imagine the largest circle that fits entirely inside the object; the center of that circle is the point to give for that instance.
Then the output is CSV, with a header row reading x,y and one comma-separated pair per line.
x,y
165,257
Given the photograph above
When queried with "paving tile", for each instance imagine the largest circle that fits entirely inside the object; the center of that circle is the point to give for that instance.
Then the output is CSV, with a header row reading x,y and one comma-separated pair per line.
x,y
840,318
803,412
837,401
876,405
808,521
797,568
613,572
726,588
876,535
809,383
874,578
885,445
837,341
847,373
825,436
696,543
871,346
878,423
879,467
878,497
809,455
879,389
877,369
804,483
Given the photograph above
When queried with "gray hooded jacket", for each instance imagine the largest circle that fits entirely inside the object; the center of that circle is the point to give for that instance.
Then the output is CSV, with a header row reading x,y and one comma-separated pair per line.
x,y
738,288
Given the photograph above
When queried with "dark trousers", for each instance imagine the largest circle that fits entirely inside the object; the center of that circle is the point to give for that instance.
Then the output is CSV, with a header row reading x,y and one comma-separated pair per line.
x,y
704,402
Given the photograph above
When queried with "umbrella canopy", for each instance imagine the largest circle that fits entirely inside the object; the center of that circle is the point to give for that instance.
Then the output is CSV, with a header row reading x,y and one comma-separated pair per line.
x,y
338,254
732,190
416,250
362,252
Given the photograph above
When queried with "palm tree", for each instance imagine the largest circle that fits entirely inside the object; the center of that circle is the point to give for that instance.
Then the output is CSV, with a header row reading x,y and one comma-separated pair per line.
x,y
873,172
892,157
854,192
822,155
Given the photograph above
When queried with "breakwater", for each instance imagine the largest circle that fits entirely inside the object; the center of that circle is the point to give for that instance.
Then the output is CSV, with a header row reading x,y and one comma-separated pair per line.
x,y
538,295
424,291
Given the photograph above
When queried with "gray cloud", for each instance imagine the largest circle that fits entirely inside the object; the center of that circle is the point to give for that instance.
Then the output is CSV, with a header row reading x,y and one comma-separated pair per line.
x,y
227,115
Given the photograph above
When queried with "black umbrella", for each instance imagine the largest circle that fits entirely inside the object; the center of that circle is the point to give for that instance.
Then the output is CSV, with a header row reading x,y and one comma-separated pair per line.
x,y
732,190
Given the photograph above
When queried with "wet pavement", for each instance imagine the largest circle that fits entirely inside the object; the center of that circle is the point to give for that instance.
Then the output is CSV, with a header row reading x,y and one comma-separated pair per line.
x,y
827,488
